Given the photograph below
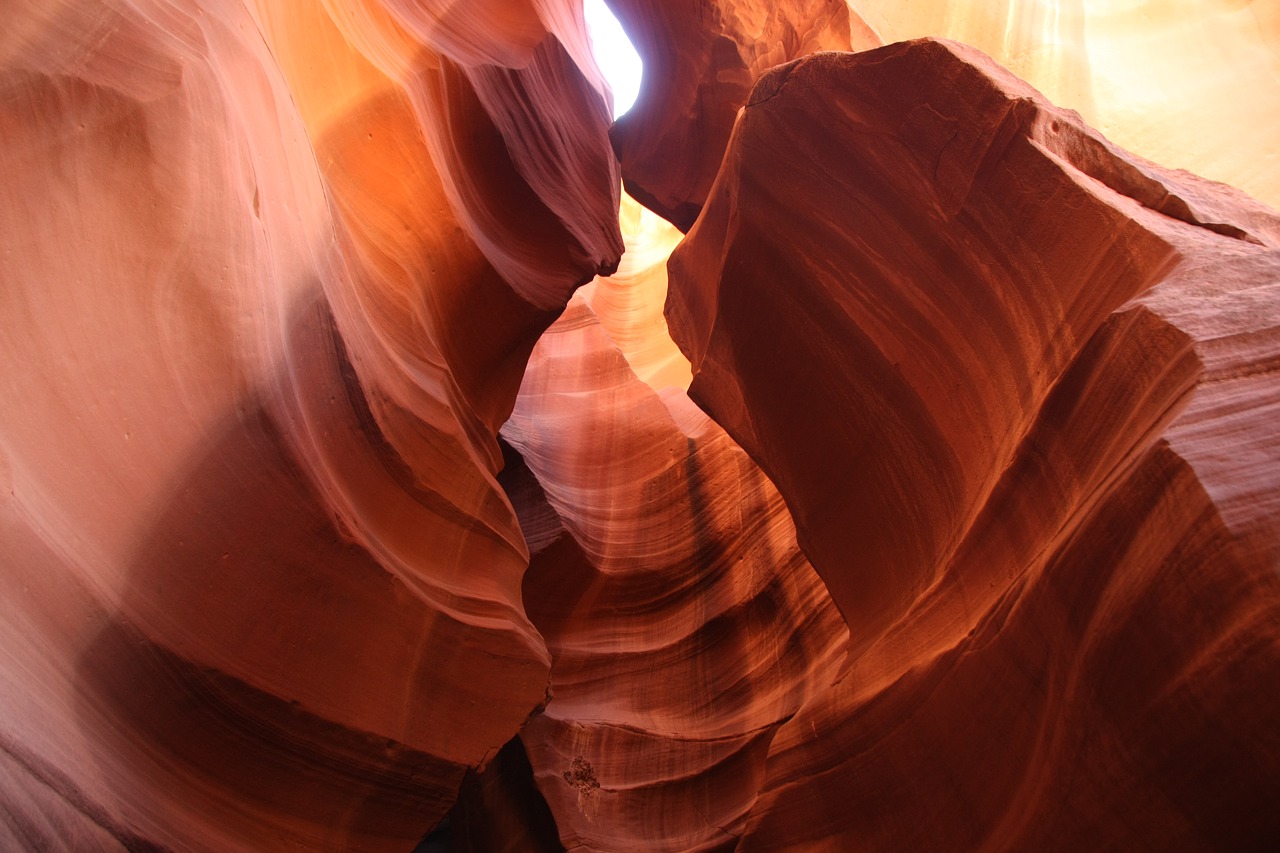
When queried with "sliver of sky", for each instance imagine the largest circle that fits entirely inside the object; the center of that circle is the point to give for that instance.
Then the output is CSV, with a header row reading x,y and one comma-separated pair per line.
x,y
615,55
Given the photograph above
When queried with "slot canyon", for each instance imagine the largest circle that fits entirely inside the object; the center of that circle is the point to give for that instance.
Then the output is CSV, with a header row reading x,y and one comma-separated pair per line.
x,y
869,441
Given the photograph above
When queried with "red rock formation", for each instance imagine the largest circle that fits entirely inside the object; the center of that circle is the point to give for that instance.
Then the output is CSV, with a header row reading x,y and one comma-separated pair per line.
x,y
701,60
272,272
683,622
255,540
1010,468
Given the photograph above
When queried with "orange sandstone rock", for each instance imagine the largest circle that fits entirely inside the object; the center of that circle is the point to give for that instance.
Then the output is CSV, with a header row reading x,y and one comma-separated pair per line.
x,y
257,350
992,363
629,303
1188,83
683,622
274,275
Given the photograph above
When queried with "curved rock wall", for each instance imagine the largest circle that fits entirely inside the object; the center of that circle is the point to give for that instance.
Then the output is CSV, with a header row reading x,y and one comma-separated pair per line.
x,y
332,516
1011,472
683,622
263,321
701,60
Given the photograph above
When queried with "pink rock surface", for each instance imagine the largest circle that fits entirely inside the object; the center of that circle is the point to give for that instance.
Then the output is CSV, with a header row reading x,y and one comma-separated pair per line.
x,y
256,549
683,622
276,275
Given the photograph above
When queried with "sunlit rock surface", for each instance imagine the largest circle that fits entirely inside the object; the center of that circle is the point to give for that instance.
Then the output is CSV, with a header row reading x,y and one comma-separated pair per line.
x,y
275,277
684,624
270,277
701,60
629,303
1192,84
1037,469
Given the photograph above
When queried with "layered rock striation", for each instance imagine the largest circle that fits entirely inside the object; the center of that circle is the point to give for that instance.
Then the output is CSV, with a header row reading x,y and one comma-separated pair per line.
x,y
271,275
683,622
350,489
986,357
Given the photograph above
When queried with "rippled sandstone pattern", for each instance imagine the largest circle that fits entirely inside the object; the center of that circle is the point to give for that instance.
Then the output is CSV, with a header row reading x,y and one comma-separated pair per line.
x,y
1038,469
1192,84
274,274
683,622
271,275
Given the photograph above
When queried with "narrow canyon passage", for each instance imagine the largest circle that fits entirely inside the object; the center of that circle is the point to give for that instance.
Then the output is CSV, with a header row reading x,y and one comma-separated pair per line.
x,y
865,439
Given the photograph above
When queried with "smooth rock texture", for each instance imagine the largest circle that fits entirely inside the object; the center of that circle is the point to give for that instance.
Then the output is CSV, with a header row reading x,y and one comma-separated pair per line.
x,y
257,343
1037,471
683,622
701,60
629,303
1192,84
352,496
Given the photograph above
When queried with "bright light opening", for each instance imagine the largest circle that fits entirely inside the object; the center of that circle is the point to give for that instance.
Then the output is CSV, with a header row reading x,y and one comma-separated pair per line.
x,y
615,55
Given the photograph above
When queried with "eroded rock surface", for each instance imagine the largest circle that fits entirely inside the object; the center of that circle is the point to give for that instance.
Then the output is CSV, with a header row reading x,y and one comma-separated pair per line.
x,y
683,622
1011,468
270,277
1177,81
274,275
